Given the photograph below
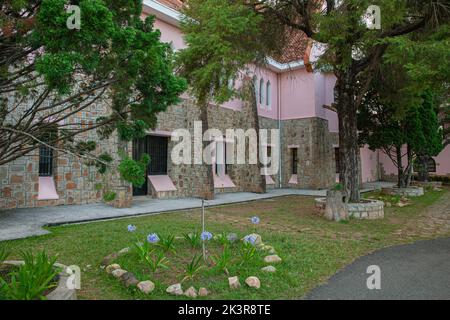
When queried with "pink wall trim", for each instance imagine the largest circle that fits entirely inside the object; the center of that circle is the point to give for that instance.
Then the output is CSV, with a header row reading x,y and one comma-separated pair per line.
x,y
293,146
223,181
162,183
294,179
47,189
160,133
269,180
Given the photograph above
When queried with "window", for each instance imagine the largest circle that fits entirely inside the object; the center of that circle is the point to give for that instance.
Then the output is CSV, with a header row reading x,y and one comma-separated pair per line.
x,y
337,159
46,154
261,91
431,165
45,161
268,94
221,167
294,161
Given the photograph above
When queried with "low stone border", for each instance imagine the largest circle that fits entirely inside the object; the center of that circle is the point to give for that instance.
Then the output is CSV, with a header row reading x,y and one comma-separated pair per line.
x,y
61,292
404,192
369,209
435,184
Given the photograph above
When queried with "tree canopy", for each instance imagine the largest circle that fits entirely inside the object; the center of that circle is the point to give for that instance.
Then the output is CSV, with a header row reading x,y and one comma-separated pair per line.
x,y
49,73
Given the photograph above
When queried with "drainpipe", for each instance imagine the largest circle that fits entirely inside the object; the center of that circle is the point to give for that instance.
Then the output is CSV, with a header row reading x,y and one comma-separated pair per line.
x,y
279,128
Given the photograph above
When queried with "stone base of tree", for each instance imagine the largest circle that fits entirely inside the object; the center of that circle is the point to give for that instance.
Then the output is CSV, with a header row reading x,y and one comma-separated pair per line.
x,y
404,192
367,209
62,291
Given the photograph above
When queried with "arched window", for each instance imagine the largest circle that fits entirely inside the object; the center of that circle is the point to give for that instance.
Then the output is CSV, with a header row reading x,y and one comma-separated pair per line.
x,y
268,95
261,91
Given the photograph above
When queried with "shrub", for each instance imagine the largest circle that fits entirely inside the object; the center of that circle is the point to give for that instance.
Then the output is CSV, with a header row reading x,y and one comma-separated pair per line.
x,y
31,280
248,252
157,261
4,253
143,250
168,243
134,171
193,268
223,261
193,239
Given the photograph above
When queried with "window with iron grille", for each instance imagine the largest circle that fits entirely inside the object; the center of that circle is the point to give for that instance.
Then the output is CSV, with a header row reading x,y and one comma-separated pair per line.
x,y
294,161
45,161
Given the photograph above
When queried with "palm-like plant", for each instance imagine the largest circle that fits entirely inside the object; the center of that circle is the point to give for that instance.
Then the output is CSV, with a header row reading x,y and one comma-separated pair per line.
x,y
193,268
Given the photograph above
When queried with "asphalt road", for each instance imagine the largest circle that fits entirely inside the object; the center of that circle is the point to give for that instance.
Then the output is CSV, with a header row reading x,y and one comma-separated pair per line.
x,y
408,272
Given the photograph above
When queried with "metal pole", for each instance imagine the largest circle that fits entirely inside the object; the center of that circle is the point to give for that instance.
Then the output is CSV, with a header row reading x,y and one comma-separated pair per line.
x,y
203,229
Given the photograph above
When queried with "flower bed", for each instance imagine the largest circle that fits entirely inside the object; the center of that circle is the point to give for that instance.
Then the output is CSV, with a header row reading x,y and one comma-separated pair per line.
x,y
186,265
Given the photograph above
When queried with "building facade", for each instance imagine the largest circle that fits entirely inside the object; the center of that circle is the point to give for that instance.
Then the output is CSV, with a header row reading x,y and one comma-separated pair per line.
x,y
290,98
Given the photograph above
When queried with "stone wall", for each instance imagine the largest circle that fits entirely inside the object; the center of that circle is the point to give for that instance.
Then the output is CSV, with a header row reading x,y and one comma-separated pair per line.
x,y
316,166
75,181
78,183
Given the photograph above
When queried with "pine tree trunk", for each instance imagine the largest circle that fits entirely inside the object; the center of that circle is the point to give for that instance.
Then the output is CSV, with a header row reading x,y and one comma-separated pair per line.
x,y
400,171
348,139
208,193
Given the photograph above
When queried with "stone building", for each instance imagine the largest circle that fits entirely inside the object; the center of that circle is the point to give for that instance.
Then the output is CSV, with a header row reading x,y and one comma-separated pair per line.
x,y
290,98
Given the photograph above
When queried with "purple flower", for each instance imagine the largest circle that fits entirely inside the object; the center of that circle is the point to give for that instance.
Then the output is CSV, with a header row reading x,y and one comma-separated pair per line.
x,y
153,238
250,239
255,220
206,236
131,228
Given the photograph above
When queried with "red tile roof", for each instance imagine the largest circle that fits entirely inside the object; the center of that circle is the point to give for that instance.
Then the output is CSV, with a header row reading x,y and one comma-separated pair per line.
x,y
174,4
297,47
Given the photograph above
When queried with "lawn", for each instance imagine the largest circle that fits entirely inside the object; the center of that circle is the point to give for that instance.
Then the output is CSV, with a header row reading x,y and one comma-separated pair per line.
x,y
312,248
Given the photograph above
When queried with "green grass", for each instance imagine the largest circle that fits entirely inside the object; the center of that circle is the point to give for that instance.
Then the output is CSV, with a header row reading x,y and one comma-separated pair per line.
x,y
312,248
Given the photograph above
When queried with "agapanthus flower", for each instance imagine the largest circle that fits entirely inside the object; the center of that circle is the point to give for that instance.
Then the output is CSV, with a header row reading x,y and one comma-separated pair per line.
x,y
153,238
255,220
131,228
206,236
250,239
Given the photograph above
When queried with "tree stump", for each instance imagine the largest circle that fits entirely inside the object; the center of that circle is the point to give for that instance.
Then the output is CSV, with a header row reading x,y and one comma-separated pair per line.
x,y
336,209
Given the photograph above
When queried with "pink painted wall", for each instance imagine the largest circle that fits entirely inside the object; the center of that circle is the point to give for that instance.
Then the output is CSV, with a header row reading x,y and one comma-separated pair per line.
x,y
297,95
270,111
443,162
369,165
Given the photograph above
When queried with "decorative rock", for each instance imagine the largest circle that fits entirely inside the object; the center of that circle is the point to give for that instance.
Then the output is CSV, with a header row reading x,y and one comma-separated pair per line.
x,y
253,282
118,273
191,293
146,286
109,269
175,289
108,259
272,259
272,251
269,269
203,292
129,279
124,251
232,237
258,239
234,282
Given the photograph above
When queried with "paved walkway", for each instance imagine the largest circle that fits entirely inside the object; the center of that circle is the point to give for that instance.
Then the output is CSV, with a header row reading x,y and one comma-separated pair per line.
x,y
23,223
408,272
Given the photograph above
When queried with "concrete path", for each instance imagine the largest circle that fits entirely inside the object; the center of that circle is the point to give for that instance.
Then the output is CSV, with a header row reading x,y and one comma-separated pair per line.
x,y
408,272
23,223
